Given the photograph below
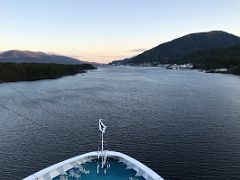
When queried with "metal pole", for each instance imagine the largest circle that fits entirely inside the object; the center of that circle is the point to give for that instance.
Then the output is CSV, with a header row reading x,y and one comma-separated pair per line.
x,y
102,151
102,142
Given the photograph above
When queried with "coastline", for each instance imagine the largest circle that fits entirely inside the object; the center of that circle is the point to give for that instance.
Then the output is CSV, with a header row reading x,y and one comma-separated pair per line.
x,y
233,71
12,72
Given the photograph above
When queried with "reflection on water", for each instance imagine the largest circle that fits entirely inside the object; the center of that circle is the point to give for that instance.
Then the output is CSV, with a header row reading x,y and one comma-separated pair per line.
x,y
182,124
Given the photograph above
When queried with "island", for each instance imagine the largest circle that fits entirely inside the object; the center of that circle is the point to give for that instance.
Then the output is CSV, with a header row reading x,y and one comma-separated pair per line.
x,y
12,72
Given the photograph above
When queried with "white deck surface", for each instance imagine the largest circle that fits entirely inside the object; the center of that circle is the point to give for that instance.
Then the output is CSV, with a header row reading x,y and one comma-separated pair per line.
x,y
60,168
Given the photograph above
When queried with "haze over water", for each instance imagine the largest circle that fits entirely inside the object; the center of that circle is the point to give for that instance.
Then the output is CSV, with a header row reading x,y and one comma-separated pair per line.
x,y
182,124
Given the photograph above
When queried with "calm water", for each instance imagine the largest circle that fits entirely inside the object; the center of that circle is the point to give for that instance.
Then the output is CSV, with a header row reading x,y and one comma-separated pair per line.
x,y
182,124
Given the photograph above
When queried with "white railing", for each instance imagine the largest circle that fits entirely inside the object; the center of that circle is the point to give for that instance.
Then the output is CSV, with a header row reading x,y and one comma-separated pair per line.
x,y
60,168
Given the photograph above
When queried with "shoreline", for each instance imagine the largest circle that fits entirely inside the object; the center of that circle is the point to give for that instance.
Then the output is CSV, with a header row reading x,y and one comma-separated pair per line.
x,y
12,72
210,71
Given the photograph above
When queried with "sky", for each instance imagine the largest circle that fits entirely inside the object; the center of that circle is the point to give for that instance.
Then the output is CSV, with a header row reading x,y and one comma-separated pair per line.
x,y
106,30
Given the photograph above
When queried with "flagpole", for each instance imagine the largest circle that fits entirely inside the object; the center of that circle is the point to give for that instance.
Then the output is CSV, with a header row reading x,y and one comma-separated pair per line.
x,y
102,142
102,128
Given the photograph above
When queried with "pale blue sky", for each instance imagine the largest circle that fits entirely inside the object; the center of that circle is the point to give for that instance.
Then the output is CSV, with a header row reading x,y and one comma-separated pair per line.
x,y
104,30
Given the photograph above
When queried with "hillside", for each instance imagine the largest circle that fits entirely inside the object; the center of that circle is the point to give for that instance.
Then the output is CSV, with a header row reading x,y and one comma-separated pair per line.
x,y
216,58
17,56
171,52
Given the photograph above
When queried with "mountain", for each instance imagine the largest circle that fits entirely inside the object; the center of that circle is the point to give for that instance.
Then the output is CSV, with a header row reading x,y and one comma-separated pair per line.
x,y
17,56
171,52
216,58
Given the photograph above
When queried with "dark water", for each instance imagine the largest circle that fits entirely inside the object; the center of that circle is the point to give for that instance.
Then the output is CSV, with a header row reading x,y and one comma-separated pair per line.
x,y
182,124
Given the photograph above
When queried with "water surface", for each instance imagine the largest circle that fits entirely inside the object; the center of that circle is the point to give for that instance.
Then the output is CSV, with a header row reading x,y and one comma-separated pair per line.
x,y
182,124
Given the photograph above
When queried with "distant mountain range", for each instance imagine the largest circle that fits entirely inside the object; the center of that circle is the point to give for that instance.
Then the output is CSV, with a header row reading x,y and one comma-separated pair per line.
x,y
176,50
17,56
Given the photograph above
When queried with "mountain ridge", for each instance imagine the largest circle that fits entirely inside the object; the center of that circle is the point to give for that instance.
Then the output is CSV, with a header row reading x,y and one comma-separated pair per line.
x,y
172,51
26,56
